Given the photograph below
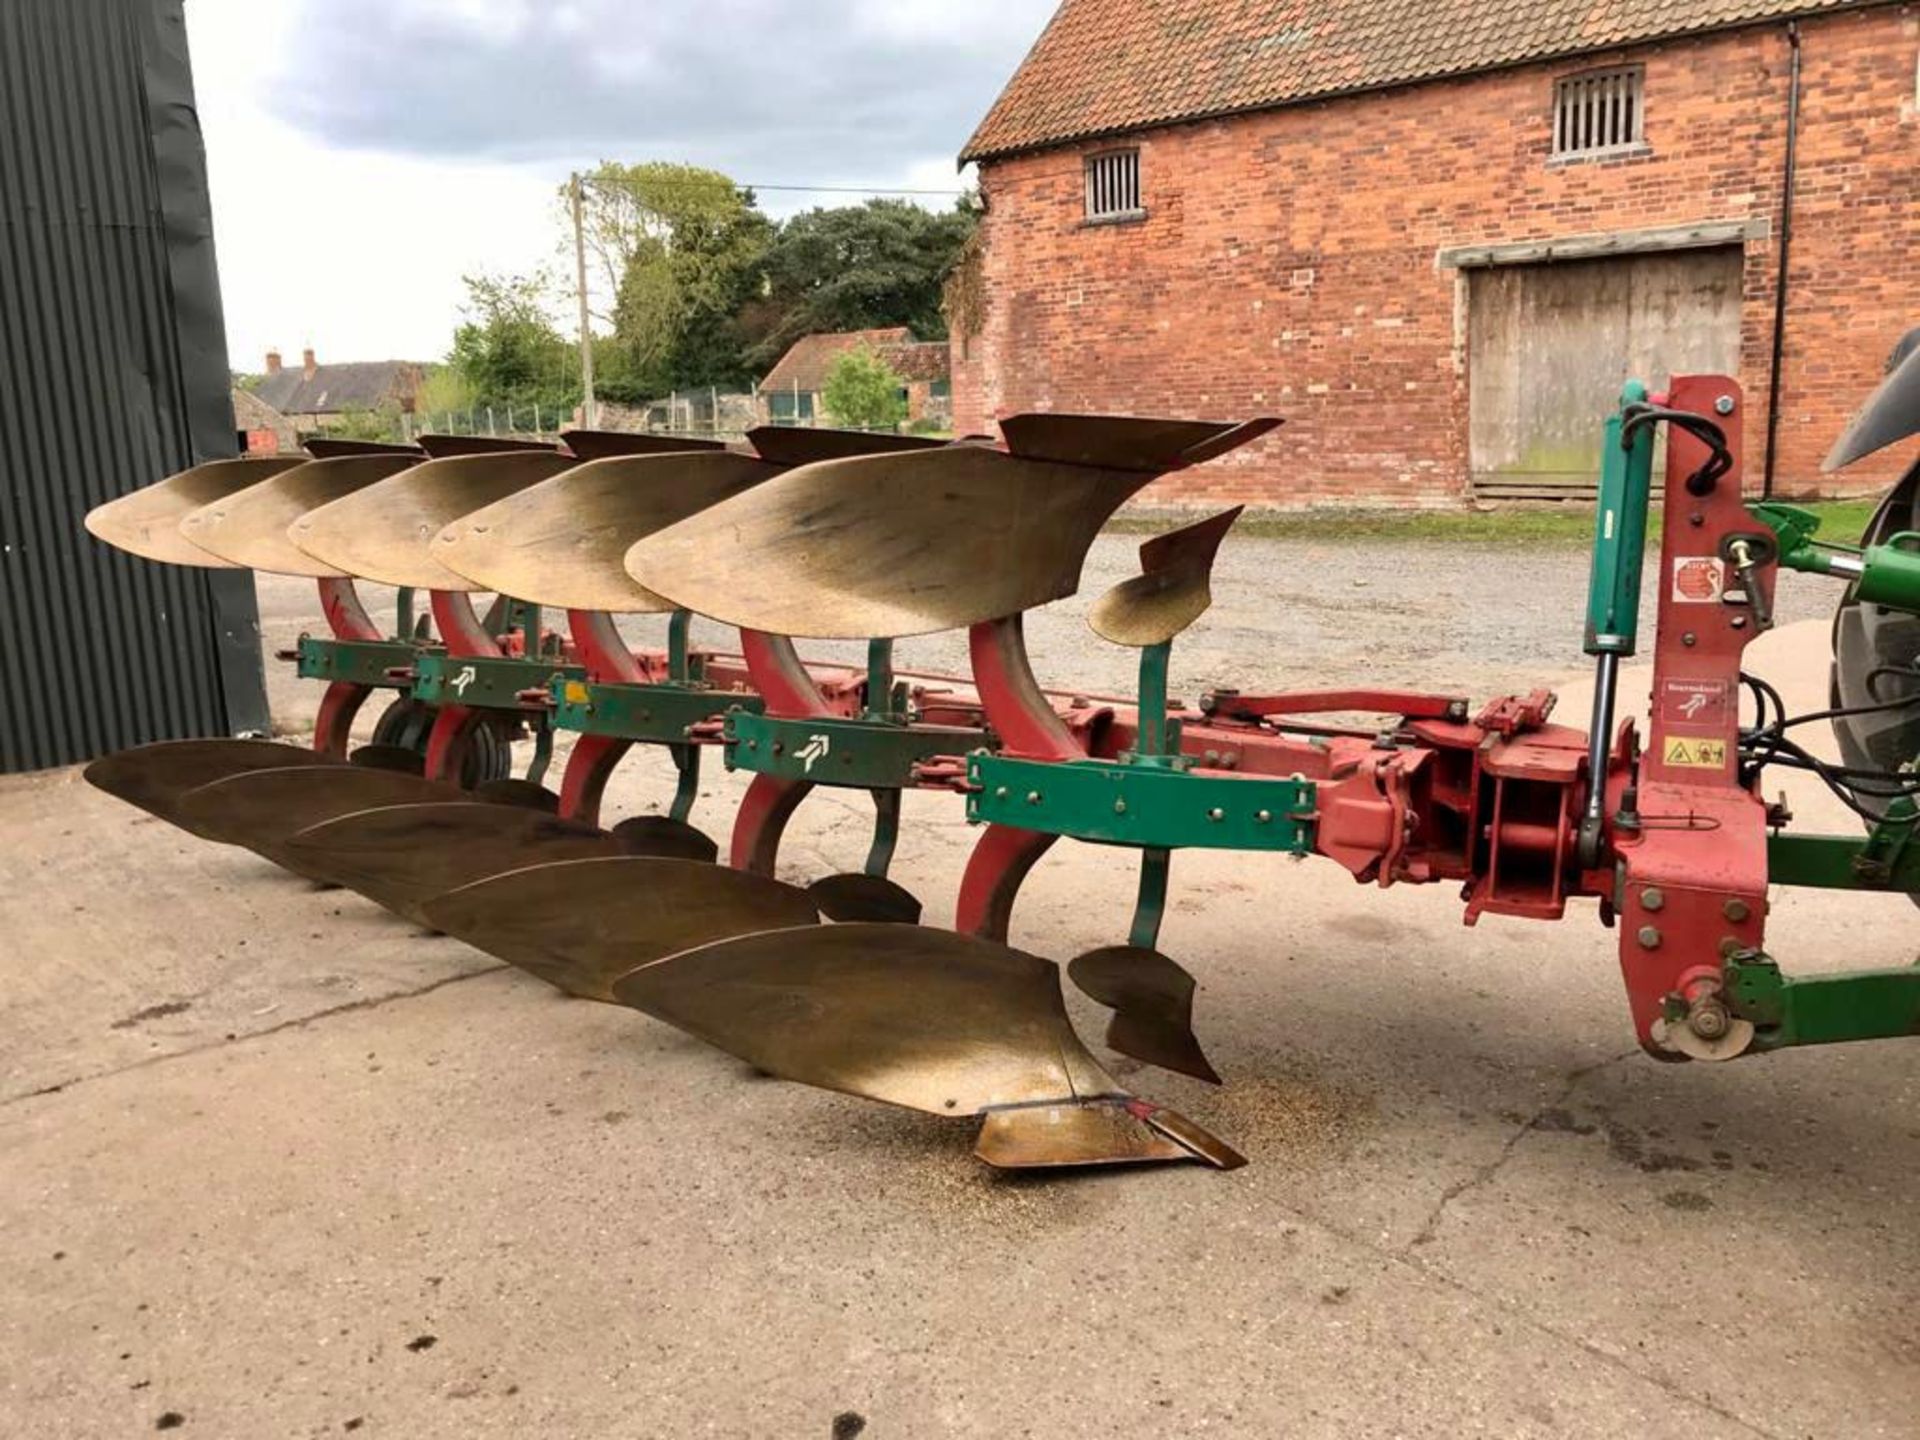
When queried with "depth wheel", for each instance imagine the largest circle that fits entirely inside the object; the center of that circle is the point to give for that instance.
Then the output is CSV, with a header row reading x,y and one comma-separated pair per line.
x,y
406,725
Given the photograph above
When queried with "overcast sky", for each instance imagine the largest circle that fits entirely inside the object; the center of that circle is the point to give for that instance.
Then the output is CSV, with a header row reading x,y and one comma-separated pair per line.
x,y
367,153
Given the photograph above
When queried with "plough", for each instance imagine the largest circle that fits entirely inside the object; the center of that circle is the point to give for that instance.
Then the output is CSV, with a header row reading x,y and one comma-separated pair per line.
x,y
801,535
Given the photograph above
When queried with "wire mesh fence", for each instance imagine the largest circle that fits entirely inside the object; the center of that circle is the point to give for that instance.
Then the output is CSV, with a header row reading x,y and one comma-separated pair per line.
x,y
709,414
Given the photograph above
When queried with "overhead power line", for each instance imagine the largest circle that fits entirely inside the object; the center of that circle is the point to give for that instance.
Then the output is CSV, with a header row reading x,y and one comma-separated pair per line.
x,y
847,189
809,189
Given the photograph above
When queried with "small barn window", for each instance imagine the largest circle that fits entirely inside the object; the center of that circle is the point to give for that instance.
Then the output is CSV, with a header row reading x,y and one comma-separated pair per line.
x,y
1113,186
1600,111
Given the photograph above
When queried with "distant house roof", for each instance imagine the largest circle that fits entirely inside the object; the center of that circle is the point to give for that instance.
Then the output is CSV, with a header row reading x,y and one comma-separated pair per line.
x,y
805,367
1105,66
250,412
339,389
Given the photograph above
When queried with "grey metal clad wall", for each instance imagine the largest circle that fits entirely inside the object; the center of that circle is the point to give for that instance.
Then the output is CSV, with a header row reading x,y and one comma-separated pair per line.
x,y
113,374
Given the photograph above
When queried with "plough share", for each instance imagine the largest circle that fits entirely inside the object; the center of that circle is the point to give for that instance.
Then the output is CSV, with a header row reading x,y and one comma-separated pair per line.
x,y
805,534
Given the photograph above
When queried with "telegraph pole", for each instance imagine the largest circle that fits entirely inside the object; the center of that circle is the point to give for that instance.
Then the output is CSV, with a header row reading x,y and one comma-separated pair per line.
x,y
589,407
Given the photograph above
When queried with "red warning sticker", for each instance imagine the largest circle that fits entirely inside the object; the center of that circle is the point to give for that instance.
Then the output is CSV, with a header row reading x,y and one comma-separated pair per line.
x,y
1699,580
1704,704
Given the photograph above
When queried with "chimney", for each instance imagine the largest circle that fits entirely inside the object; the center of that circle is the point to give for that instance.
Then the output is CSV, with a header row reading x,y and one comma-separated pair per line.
x,y
273,362
307,363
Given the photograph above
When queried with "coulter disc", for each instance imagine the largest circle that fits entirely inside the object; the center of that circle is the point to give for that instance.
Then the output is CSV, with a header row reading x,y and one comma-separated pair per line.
x,y
156,778
582,924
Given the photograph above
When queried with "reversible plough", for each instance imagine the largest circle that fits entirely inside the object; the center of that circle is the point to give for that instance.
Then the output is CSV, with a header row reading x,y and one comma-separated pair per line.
x,y
804,534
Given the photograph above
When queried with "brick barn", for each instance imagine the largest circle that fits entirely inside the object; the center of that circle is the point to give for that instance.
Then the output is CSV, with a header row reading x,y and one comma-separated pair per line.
x,y
1436,237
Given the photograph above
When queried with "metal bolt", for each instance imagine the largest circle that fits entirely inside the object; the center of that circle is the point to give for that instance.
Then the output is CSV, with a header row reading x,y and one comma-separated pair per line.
x,y
1649,938
1724,405
779,747
1739,622
1001,793
1689,639
1653,898
1033,797
1696,520
753,744
1263,817
1737,911
1216,815
1709,1019
1119,807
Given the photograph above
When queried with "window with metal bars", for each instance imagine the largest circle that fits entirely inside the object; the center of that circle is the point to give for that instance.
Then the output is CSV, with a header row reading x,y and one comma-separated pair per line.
x,y
1113,186
1600,111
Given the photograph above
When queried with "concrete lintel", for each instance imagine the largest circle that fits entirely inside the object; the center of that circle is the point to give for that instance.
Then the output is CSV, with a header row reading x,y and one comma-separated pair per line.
x,y
1704,235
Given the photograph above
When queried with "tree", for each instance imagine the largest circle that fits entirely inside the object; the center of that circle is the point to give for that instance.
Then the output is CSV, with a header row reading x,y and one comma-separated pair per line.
x,y
679,250
862,392
507,351
382,425
444,391
861,267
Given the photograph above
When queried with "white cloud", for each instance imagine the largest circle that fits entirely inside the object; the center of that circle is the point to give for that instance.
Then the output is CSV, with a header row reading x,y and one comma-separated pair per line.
x,y
358,254
365,154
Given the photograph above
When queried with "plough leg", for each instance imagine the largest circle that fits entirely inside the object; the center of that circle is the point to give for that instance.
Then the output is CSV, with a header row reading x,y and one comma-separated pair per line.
x,y
589,767
333,726
1001,861
762,821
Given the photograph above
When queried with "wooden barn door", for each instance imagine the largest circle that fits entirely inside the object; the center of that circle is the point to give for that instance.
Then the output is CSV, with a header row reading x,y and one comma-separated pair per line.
x,y
1552,344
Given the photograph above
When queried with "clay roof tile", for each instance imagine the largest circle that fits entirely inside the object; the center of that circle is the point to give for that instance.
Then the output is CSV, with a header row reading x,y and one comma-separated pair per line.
x,y
1105,66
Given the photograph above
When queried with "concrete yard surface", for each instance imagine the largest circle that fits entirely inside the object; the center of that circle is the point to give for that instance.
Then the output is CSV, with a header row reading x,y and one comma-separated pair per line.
x,y
274,1164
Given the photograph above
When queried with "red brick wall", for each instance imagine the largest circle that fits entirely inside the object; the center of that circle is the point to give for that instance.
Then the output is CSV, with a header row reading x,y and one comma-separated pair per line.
x,y
1289,262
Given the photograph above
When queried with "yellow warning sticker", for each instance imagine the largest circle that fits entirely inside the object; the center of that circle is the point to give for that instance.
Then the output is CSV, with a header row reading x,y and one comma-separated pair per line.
x,y
1697,754
577,694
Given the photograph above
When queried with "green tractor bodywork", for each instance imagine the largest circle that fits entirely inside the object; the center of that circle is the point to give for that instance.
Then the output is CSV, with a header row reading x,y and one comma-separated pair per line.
x,y
1885,574
1859,1005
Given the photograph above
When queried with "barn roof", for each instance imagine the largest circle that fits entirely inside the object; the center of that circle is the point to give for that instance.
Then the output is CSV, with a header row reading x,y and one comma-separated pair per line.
x,y
338,389
250,412
805,367
1105,66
